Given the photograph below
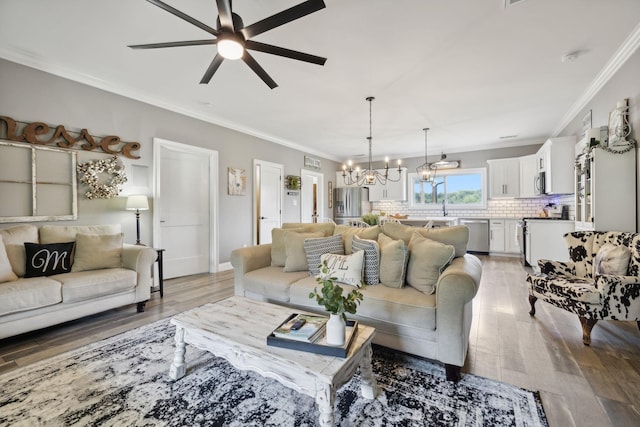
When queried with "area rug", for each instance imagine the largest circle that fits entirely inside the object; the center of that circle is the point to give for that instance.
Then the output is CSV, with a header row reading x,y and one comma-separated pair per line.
x,y
123,381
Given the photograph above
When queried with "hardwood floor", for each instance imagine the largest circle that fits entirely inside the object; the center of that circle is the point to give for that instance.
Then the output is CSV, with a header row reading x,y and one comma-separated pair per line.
x,y
580,386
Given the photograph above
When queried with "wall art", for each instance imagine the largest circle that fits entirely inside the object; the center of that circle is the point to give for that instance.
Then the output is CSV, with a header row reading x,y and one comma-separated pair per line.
x,y
237,182
93,171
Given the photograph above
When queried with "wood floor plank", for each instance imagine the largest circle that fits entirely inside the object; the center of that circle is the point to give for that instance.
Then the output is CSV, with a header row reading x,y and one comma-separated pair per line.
x,y
597,385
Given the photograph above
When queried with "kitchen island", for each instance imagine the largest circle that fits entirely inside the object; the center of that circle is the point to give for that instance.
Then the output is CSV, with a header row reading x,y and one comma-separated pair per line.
x,y
438,221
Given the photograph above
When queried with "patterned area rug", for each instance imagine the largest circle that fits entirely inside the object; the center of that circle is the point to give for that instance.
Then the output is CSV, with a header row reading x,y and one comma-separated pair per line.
x,y
123,381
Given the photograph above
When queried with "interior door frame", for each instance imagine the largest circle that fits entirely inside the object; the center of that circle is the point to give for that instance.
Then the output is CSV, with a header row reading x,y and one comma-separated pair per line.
x,y
320,195
256,194
158,144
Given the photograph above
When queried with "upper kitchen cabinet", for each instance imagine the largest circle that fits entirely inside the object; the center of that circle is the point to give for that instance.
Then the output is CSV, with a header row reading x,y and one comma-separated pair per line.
x,y
605,187
528,175
556,159
396,191
504,178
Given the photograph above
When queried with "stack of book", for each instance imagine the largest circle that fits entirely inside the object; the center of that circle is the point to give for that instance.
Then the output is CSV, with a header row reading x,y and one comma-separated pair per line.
x,y
312,328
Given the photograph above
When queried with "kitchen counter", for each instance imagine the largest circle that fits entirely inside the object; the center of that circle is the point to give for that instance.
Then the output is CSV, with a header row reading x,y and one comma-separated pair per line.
x,y
438,221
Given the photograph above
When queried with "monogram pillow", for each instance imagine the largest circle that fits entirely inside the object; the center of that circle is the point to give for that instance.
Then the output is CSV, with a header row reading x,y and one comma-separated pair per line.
x,y
48,259
346,269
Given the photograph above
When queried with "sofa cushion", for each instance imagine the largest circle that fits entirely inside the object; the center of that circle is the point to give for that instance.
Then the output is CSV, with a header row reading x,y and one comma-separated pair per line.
x,y
84,285
6,273
14,239
272,282
347,232
406,306
427,259
67,233
393,261
278,251
315,248
399,231
97,251
457,236
371,269
294,246
612,259
28,294
346,269
48,259
326,228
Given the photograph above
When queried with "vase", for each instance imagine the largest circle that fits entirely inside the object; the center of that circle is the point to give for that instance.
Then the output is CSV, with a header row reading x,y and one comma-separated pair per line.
x,y
335,330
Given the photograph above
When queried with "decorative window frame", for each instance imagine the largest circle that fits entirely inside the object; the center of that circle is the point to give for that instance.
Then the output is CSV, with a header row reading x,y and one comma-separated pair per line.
x,y
449,172
36,183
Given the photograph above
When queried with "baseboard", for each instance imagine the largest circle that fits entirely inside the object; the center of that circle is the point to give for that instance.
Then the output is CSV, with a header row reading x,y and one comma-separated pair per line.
x,y
225,266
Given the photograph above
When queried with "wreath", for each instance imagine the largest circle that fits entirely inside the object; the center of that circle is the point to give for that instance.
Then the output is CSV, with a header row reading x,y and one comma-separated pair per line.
x,y
90,172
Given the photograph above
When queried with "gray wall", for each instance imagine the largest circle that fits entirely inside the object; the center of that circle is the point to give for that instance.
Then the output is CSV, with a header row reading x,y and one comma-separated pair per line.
x,y
624,84
30,95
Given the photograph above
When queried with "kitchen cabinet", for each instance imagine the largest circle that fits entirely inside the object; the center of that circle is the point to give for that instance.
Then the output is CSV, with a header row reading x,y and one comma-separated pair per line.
x,y
556,159
528,175
545,240
605,189
504,178
503,236
396,191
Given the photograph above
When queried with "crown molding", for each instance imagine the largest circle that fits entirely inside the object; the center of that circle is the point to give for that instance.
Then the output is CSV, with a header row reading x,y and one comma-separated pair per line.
x,y
40,64
624,52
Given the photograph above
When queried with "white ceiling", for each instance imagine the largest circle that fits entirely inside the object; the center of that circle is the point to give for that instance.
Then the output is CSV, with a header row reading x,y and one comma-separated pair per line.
x,y
471,70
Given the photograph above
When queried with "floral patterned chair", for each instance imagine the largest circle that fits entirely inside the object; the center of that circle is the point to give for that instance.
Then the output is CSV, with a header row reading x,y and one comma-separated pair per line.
x,y
601,282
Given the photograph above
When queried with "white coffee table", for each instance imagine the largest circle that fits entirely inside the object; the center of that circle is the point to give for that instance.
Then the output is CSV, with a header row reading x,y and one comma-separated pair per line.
x,y
236,329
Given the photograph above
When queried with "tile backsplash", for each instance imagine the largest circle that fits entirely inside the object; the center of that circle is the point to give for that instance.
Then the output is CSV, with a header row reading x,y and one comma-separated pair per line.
x,y
496,208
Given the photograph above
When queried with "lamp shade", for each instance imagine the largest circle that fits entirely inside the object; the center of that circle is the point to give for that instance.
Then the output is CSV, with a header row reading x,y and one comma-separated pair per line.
x,y
137,202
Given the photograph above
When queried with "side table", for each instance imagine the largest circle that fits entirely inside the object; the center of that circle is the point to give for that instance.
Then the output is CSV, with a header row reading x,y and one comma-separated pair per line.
x,y
160,287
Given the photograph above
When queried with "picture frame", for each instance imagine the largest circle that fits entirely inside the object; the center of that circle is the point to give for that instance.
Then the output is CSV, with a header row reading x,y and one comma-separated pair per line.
x,y
330,193
237,181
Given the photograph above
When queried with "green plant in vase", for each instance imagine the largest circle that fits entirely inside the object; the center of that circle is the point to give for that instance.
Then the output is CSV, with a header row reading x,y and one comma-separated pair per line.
x,y
371,219
333,299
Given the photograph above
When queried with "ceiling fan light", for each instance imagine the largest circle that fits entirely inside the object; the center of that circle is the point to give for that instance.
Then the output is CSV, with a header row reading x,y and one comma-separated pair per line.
x,y
230,48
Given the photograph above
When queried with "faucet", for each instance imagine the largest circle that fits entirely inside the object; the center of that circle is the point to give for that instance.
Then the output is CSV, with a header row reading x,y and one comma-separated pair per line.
x,y
444,207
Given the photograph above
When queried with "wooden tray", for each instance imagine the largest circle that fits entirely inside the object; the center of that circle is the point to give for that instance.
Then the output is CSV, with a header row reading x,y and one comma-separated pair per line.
x,y
320,346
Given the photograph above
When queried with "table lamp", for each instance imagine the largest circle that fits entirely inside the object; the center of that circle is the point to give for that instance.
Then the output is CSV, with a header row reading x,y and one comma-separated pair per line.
x,y
137,203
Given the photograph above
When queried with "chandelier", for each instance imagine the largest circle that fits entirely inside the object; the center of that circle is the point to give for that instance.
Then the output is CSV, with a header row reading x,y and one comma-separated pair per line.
x,y
369,176
424,170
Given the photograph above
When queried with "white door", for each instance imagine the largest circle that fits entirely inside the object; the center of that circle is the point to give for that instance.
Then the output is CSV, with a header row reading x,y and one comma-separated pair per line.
x,y
312,184
267,196
184,206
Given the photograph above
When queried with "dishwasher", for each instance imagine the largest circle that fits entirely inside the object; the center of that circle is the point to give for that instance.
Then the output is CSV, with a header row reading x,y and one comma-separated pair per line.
x,y
478,234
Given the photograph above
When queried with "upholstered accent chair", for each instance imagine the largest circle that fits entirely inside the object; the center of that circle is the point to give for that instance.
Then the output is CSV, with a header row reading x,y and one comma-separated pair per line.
x,y
601,282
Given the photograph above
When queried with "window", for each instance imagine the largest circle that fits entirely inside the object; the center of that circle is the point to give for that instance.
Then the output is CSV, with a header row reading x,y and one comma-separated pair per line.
x,y
461,188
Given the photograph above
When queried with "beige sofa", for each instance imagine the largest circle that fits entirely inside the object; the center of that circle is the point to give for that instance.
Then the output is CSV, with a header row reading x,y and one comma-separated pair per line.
x,y
30,303
435,326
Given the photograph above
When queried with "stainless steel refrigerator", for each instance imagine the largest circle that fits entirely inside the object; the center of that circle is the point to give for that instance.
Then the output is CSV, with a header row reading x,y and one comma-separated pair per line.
x,y
350,203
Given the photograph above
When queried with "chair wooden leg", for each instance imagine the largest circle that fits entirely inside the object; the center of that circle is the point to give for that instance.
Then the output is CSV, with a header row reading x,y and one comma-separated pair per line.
x,y
532,302
453,372
638,322
587,325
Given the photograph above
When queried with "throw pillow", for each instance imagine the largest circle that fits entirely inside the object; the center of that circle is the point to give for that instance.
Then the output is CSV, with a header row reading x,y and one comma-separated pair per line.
x,y
14,239
612,259
48,259
398,231
371,250
457,236
278,251
393,261
315,248
325,227
97,251
346,269
6,273
347,232
294,246
427,259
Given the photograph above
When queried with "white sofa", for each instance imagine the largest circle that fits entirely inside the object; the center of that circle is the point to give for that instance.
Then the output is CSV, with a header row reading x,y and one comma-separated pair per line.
x,y
27,304
435,326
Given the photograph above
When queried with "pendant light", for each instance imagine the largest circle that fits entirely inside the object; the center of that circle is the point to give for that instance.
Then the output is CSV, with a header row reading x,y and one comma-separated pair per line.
x,y
424,170
369,176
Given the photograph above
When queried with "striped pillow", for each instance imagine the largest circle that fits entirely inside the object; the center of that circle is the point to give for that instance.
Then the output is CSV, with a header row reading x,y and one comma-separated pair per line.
x,y
371,259
315,248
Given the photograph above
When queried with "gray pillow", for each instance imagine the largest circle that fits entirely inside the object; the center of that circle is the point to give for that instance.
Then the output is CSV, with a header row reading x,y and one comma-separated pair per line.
x,y
371,275
278,251
427,259
393,261
315,248
97,251
612,259
294,246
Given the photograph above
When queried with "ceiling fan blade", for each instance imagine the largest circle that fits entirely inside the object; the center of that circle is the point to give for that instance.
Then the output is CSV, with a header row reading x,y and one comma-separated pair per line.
x,y
253,64
173,44
287,53
224,14
184,16
281,18
213,67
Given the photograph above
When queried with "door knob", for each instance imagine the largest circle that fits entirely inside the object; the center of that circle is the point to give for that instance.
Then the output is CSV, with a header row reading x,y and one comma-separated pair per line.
x,y
263,217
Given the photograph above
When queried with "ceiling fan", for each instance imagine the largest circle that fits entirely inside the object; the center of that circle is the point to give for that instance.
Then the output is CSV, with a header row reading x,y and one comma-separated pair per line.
x,y
233,39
